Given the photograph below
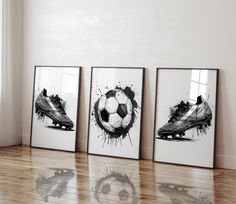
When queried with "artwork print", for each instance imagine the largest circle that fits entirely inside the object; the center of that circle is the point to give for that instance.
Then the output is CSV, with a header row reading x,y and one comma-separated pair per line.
x,y
54,115
54,108
115,112
185,116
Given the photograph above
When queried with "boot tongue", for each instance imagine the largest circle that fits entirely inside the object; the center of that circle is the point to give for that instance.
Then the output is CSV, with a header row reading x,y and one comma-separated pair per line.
x,y
199,100
180,109
44,92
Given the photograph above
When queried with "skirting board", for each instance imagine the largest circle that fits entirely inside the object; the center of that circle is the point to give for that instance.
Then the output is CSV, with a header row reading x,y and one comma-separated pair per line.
x,y
146,153
225,161
25,139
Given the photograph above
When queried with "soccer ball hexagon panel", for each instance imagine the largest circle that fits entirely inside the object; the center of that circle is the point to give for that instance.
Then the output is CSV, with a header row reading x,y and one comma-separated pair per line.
x,y
115,111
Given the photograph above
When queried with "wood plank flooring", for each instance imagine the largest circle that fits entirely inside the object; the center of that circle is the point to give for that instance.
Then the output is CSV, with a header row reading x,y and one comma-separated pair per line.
x,y
43,176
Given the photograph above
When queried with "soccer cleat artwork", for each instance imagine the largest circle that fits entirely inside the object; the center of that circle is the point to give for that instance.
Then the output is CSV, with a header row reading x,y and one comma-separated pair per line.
x,y
53,107
185,116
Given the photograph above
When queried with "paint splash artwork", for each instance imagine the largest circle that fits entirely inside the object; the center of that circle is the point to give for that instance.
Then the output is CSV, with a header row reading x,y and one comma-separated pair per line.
x,y
114,113
54,108
186,116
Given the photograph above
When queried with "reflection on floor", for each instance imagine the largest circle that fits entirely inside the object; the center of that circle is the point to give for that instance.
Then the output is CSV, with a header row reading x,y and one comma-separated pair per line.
x,y
44,176
55,185
115,187
182,194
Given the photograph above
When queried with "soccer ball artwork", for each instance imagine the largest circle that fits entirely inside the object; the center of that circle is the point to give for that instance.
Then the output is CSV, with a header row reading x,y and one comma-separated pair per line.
x,y
115,113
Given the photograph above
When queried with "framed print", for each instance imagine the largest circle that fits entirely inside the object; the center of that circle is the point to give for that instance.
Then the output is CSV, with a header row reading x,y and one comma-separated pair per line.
x,y
115,113
55,107
185,116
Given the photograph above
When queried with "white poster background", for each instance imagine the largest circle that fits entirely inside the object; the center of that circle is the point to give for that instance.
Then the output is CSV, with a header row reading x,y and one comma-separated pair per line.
x,y
103,80
175,85
64,82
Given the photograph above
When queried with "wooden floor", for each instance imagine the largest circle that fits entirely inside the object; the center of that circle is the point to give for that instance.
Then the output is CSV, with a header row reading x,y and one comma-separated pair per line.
x,y
44,176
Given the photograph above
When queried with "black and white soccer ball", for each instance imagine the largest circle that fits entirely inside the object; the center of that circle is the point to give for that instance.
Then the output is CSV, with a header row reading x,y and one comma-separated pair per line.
x,y
115,111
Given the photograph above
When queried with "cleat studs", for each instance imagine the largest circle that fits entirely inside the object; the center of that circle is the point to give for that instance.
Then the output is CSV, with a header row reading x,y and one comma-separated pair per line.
x,y
200,126
181,134
209,122
54,123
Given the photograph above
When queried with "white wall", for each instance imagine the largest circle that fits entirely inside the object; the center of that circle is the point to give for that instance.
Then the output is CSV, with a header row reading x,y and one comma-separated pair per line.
x,y
164,33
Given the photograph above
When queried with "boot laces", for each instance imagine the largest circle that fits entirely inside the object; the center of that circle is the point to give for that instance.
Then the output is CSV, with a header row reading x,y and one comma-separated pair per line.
x,y
178,110
59,103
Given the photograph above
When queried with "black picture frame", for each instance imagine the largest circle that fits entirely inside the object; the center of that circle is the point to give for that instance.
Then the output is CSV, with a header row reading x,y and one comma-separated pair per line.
x,y
77,106
215,110
141,113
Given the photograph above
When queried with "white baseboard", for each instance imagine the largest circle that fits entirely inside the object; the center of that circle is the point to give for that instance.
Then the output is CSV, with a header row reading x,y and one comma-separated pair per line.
x,y
225,161
146,153
25,139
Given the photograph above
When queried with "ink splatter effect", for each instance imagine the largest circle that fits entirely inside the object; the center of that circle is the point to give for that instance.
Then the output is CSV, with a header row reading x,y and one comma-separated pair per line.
x,y
186,116
54,108
114,113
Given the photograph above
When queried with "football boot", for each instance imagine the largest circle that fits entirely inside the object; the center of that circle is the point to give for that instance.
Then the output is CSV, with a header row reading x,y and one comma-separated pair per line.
x,y
54,108
186,116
